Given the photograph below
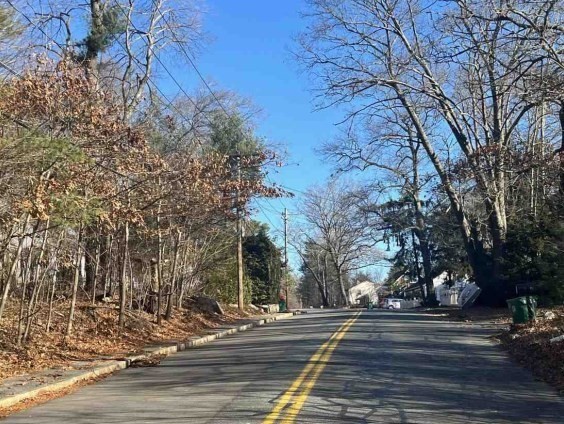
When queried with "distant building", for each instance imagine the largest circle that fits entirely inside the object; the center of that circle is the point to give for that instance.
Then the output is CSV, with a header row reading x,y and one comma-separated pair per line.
x,y
364,292
448,292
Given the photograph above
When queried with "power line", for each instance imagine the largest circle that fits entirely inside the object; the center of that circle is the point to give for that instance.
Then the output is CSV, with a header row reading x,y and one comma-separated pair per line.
x,y
170,104
274,226
292,189
187,55
270,208
149,79
158,59
27,18
9,69
285,186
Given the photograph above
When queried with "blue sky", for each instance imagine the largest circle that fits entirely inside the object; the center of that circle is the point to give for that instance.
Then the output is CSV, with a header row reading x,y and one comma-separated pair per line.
x,y
250,54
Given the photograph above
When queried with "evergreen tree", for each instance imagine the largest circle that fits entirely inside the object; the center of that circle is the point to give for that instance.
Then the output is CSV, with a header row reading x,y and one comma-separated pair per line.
x,y
263,263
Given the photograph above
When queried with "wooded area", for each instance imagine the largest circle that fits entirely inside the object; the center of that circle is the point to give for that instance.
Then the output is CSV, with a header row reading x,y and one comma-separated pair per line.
x,y
114,196
455,123
117,196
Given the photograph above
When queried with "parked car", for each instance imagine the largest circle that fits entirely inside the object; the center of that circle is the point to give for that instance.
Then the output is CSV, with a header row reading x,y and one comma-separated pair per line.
x,y
392,303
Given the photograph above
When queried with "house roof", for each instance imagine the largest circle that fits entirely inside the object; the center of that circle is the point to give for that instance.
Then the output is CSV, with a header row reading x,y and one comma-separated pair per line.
x,y
364,285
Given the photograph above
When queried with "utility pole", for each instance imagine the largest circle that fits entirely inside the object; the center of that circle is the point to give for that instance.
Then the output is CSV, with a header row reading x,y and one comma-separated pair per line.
x,y
285,217
240,286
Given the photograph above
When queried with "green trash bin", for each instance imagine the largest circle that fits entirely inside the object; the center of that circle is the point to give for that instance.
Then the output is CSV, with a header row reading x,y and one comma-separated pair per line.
x,y
370,306
282,306
523,308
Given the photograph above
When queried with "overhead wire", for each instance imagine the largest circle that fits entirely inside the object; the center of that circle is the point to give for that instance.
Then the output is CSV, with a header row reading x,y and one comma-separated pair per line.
x,y
170,104
267,204
161,63
149,79
9,69
30,21
191,62
201,77
195,67
186,54
274,228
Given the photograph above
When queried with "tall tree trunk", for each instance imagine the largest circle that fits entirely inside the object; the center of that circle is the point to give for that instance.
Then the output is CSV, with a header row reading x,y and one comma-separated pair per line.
x,y
96,271
341,282
420,280
320,277
131,281
561,150
321,287
478,260
76,275
173,289
492,288
423,246
155,276
26,277
427,269
159,264
108,280
96,31
13,268
54,283
184,280
91,242
5,254
420,230
38,280
51,298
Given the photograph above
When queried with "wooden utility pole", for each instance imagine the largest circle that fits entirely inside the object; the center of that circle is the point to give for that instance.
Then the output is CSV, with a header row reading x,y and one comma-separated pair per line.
x,y
240,286
285,216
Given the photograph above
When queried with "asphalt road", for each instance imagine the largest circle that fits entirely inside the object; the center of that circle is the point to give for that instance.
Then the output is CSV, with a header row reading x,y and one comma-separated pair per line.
x,y
322,367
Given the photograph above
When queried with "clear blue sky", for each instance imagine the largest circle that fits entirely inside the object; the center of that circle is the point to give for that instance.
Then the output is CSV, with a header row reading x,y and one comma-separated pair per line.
x,y
250,54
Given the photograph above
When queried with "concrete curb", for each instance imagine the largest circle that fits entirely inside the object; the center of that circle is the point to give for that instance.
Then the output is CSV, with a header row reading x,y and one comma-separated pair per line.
x,y
64,383
128,361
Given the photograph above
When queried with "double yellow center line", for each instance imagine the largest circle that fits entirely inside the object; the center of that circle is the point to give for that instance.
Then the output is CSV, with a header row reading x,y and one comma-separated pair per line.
x,y
292,401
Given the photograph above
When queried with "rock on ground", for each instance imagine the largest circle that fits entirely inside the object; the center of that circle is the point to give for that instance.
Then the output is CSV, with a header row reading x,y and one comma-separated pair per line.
x,y
207,304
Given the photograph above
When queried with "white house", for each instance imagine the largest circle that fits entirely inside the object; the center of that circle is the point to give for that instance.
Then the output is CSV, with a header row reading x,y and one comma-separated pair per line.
x,y
364,292
446,295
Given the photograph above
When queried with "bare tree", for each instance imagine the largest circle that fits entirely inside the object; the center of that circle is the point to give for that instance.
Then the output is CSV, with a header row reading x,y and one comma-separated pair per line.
x,y
336,227
447,60
126,43
389,147
316,263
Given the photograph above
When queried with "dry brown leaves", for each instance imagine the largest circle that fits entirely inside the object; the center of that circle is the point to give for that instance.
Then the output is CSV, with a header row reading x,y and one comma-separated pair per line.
x,y
530,346
46,397
474,314
95,336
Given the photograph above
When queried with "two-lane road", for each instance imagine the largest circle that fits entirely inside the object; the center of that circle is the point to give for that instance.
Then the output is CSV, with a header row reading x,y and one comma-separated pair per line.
x,y
322,367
